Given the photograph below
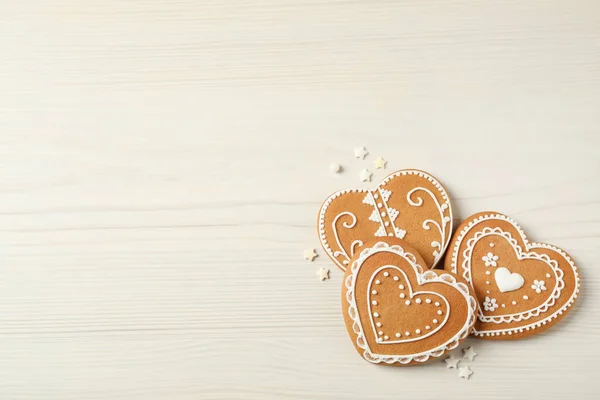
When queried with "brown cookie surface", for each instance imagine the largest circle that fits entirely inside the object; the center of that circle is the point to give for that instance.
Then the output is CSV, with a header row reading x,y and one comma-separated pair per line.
x,y
523,287
397,311
408,204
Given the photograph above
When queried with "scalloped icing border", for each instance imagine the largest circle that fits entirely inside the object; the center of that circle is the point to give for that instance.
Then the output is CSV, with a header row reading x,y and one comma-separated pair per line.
x,y
422,277
385,180
529,246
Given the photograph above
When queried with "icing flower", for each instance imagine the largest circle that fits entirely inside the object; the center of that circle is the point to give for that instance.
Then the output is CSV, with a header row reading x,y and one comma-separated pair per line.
x,y
490,260
538,286
489,304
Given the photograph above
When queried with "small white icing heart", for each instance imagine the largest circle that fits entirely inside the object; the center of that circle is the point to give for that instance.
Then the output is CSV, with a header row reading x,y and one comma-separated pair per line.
x,y
508,282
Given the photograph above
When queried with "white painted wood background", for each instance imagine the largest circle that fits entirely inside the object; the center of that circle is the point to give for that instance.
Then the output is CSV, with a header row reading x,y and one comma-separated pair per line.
x,y
162,164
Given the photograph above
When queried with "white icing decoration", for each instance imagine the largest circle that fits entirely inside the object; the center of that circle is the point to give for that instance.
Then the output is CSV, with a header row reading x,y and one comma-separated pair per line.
x,y
437,245
396,278
422,277
490,260
402,295
337,238
528,247
393,214
380,232
407,302
490,304
375,217
428,301
418,331
398,335
514,303
385,194
525,297
538,286
369,199
418,301
386,273
400,233
507,281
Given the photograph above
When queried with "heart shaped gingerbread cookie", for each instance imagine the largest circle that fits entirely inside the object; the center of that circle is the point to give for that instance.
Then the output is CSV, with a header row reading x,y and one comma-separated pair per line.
x,y
408,204
523,287
399,312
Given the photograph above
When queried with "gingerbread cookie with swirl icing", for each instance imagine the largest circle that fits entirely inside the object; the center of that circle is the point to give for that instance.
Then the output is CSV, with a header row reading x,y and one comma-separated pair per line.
x,y
523,287
399,312
408,204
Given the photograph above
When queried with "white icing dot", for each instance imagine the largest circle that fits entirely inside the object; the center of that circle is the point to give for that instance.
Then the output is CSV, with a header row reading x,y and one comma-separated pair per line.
x,y
487,291
514,303
407,302
374,292
491,244
435,321
440,312
402,295
378,324
548,275
380,333
396,278
401,287
390,234
488,273
418,301
406,333
487,282
386,337
376,315
418,331
376,196
503,305
428,301
379,205
377,282
374,302
427,327
525,297
386,273
437,303
398,335
383,214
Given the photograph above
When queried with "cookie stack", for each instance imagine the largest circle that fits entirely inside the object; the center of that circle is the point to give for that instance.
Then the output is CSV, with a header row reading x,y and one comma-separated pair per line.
x,y
399,309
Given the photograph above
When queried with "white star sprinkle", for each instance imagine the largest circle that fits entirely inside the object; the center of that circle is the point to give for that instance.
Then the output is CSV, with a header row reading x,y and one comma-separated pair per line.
x,y
365,175
323,273
452,362
310,254
469,354
360,152
465,372
380,163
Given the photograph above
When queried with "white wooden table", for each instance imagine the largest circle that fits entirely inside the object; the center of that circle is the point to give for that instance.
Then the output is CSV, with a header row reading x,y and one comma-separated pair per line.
x,y
162,164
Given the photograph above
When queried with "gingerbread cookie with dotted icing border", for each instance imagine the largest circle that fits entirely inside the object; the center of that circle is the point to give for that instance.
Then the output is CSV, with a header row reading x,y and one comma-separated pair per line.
x,y
399,312
523,287
408,204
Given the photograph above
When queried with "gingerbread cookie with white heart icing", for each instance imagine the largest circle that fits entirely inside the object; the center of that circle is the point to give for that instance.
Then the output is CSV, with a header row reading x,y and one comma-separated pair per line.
x,y
399,312
523,287
408,204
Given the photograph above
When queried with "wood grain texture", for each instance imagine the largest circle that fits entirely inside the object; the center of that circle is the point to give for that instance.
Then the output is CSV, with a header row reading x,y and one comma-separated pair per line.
x,y
162,164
